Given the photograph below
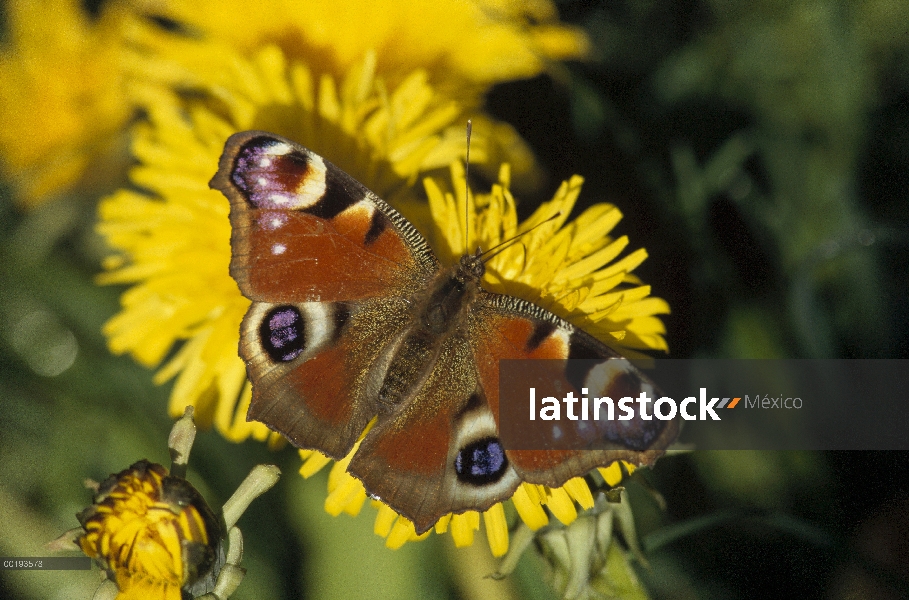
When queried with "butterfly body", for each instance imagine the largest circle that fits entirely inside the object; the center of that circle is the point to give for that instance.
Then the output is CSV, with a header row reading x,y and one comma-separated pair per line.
x,y
353,318
436,316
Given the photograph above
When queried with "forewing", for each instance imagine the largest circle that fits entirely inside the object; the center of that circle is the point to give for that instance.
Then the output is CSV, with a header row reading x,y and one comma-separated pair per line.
x,y
303,230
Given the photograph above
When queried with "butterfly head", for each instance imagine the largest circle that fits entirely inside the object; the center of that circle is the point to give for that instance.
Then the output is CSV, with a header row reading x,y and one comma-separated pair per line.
x,y
472,267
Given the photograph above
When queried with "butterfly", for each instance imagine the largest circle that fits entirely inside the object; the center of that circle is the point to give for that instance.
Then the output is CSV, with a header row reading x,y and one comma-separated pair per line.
x,y
353,318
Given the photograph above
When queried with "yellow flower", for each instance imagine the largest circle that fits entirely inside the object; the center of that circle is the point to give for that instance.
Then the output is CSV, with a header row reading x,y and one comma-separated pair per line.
x,y
153,534
569,269
465,45
175,244
462,46
62,100
64,105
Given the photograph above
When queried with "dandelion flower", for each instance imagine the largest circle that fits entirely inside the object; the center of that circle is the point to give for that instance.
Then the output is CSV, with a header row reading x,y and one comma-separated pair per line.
x,y
173,531
465,45
65,101
62,101
154,534
462,46
569,268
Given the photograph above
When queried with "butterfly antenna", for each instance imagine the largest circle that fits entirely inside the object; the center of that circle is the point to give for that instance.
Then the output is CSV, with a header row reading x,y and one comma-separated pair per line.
x,y
499,248
467,184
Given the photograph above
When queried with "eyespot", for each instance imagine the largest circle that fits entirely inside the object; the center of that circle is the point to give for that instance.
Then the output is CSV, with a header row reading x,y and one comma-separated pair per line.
x,y
272,174
283,333
482,462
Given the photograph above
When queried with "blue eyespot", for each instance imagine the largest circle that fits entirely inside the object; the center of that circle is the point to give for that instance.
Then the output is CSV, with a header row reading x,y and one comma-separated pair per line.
x,y
482,462
283,333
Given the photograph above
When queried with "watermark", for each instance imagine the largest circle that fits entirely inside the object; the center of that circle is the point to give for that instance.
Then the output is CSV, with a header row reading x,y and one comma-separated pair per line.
x,y
778,402
664,407
719,404
46,563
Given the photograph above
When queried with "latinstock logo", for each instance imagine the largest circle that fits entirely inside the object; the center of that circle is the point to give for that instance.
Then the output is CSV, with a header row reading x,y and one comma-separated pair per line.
x,y
605,408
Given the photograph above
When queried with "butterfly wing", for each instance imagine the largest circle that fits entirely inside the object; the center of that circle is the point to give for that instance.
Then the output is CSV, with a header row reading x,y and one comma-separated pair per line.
x,y
443,453
516,329
329,267
423,460
304,230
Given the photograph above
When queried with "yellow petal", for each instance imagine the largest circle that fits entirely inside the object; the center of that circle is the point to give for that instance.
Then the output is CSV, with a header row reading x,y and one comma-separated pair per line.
x,y
442,524
313,464
528,506
578,489
384,520
643,307
497,529
613,473
400,533
559,502
348,492
463,526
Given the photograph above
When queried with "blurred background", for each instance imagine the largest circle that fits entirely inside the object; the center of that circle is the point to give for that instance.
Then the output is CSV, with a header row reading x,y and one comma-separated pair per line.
x,y
759,152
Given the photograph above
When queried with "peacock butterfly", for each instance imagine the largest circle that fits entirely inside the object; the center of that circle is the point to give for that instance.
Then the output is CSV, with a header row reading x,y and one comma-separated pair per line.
x,y
354,318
